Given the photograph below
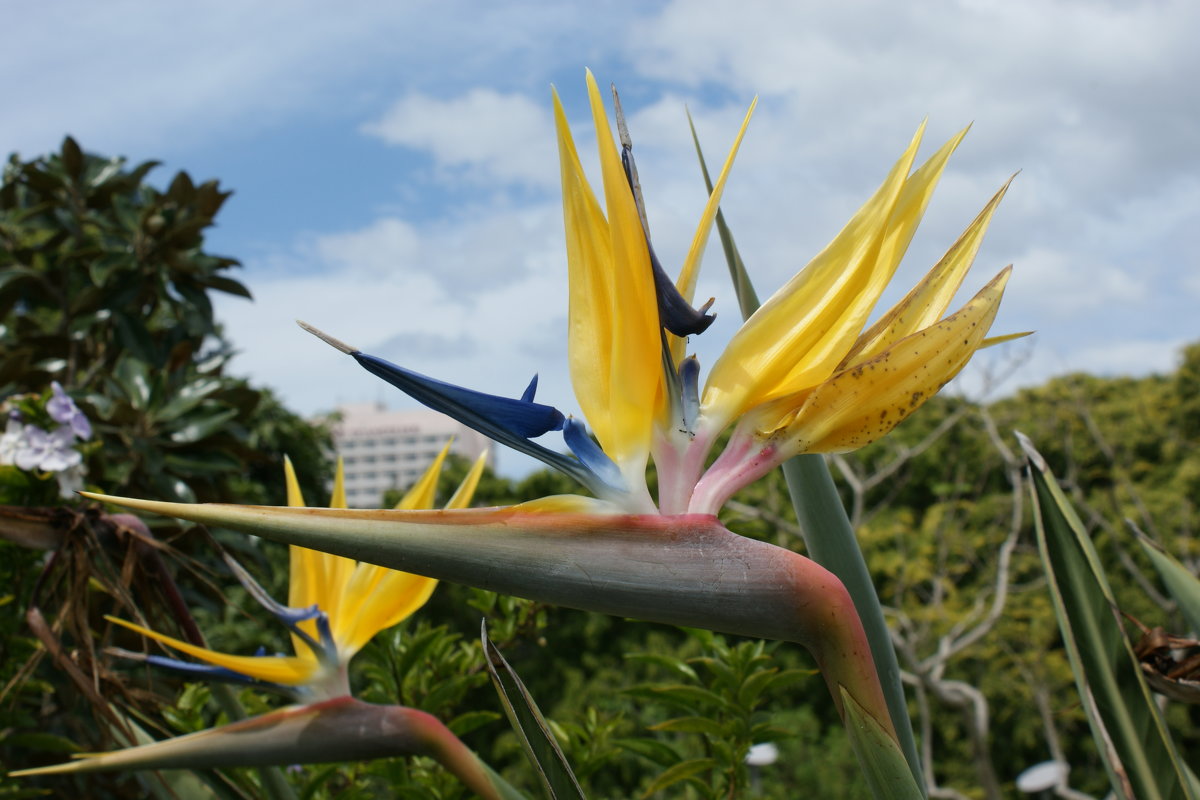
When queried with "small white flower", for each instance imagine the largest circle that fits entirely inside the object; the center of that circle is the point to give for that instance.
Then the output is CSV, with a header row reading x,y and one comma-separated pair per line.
x,y
50,452
10,441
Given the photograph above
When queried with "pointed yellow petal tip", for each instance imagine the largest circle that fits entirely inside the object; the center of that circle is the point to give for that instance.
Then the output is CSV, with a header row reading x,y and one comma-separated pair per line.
x,y
466,490
422,493
992,341
287,670
294,496
338,499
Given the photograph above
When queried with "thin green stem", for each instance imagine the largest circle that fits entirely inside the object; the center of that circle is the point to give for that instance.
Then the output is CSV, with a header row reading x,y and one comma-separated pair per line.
x,y
831,543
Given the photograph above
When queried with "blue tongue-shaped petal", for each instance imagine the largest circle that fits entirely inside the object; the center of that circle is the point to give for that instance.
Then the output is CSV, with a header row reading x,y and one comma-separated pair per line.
x,y
501,418
507,420
591,454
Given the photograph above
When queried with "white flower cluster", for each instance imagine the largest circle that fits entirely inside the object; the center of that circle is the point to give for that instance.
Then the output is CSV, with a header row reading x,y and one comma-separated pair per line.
x,y
29,447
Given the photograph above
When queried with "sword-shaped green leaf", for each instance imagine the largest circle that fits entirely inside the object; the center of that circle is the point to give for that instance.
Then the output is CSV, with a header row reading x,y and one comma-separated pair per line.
x,y
527,721
1138,753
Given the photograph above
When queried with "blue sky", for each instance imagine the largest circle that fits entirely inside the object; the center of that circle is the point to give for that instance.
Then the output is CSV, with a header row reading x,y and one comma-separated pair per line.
x,y
395,175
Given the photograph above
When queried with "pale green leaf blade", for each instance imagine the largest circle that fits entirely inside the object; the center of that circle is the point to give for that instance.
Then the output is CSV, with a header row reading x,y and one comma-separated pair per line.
x,y
527,722
1137,751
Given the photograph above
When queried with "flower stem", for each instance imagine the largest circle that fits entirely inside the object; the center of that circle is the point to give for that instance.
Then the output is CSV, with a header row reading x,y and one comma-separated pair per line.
x,y
831,542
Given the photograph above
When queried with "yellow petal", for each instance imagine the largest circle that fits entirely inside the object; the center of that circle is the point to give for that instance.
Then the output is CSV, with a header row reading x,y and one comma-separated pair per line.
x,y
613,337
335,571
992,341
294,497
287,670
910,208
302,574
863,403
422,493
315,578
930,298
565,504
801,333
373,597
686,284
635,384
338,497
391,597
589,254
466,490
305,570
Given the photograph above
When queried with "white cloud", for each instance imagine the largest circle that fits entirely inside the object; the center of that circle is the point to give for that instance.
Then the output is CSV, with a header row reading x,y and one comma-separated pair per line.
x,y
381,249
137,75
1127,357
466,251
1062,284
497,136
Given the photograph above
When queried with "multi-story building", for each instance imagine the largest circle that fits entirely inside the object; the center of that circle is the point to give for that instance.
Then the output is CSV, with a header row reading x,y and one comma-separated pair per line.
x,y
384,449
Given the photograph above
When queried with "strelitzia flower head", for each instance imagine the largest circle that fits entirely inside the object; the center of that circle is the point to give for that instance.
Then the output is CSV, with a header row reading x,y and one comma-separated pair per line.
x,y
801,375
335,605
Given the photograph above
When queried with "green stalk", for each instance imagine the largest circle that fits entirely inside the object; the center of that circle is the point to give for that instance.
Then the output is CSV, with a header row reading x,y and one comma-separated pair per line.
x,y
826,528
830,541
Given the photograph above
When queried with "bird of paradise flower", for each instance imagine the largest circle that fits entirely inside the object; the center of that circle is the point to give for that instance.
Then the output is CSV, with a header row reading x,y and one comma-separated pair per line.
x,y
335,606
804,374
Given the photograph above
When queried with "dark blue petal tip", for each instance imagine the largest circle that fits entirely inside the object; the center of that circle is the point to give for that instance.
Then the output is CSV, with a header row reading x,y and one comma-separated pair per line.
x,y
675,313
510,421
489,414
